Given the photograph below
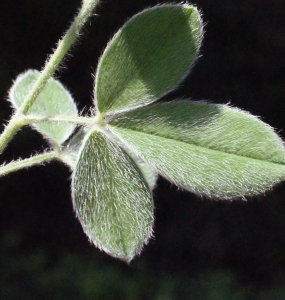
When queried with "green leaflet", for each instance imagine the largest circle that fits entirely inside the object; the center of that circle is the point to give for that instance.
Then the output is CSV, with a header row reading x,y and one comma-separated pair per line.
x,y
148,57
71,151
213,126
54,100
208,149
111,198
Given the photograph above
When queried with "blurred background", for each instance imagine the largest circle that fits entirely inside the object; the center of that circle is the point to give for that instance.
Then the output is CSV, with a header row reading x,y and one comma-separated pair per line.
x,y
203,249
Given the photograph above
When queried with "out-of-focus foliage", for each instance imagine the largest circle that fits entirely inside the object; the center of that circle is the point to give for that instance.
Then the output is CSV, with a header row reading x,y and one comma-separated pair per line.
x,y
38,275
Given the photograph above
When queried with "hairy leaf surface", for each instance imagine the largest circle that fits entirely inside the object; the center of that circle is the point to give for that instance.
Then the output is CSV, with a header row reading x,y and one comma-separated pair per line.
x,y
54,100
213,126
148,171
208,149
148,57
111,198
71,152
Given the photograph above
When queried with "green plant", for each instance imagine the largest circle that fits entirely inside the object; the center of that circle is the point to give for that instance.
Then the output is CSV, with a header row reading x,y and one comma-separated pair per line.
x,y
115,156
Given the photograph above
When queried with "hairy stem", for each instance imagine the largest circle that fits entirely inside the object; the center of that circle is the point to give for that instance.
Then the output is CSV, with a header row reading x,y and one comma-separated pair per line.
x,y
28,162
9,132
63,46
31,119
59,119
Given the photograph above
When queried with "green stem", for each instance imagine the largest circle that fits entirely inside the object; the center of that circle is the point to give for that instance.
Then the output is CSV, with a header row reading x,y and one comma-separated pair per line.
x,y
59,119
9,132
30,119
28,162
63,46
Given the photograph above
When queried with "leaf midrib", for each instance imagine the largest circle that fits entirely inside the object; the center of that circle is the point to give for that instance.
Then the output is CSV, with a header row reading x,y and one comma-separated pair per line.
x,y
202,147
117,215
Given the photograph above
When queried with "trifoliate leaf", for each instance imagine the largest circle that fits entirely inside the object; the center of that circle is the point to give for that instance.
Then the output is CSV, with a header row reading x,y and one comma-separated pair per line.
x,y
148,57
111,198
54,100
209,149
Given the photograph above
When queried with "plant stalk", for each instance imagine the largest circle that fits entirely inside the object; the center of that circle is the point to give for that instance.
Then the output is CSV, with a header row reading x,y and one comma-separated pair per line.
x,y
55,59
59,119
28,162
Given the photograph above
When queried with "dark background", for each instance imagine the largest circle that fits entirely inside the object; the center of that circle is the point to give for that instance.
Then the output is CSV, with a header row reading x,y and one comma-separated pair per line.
x,y
203,249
